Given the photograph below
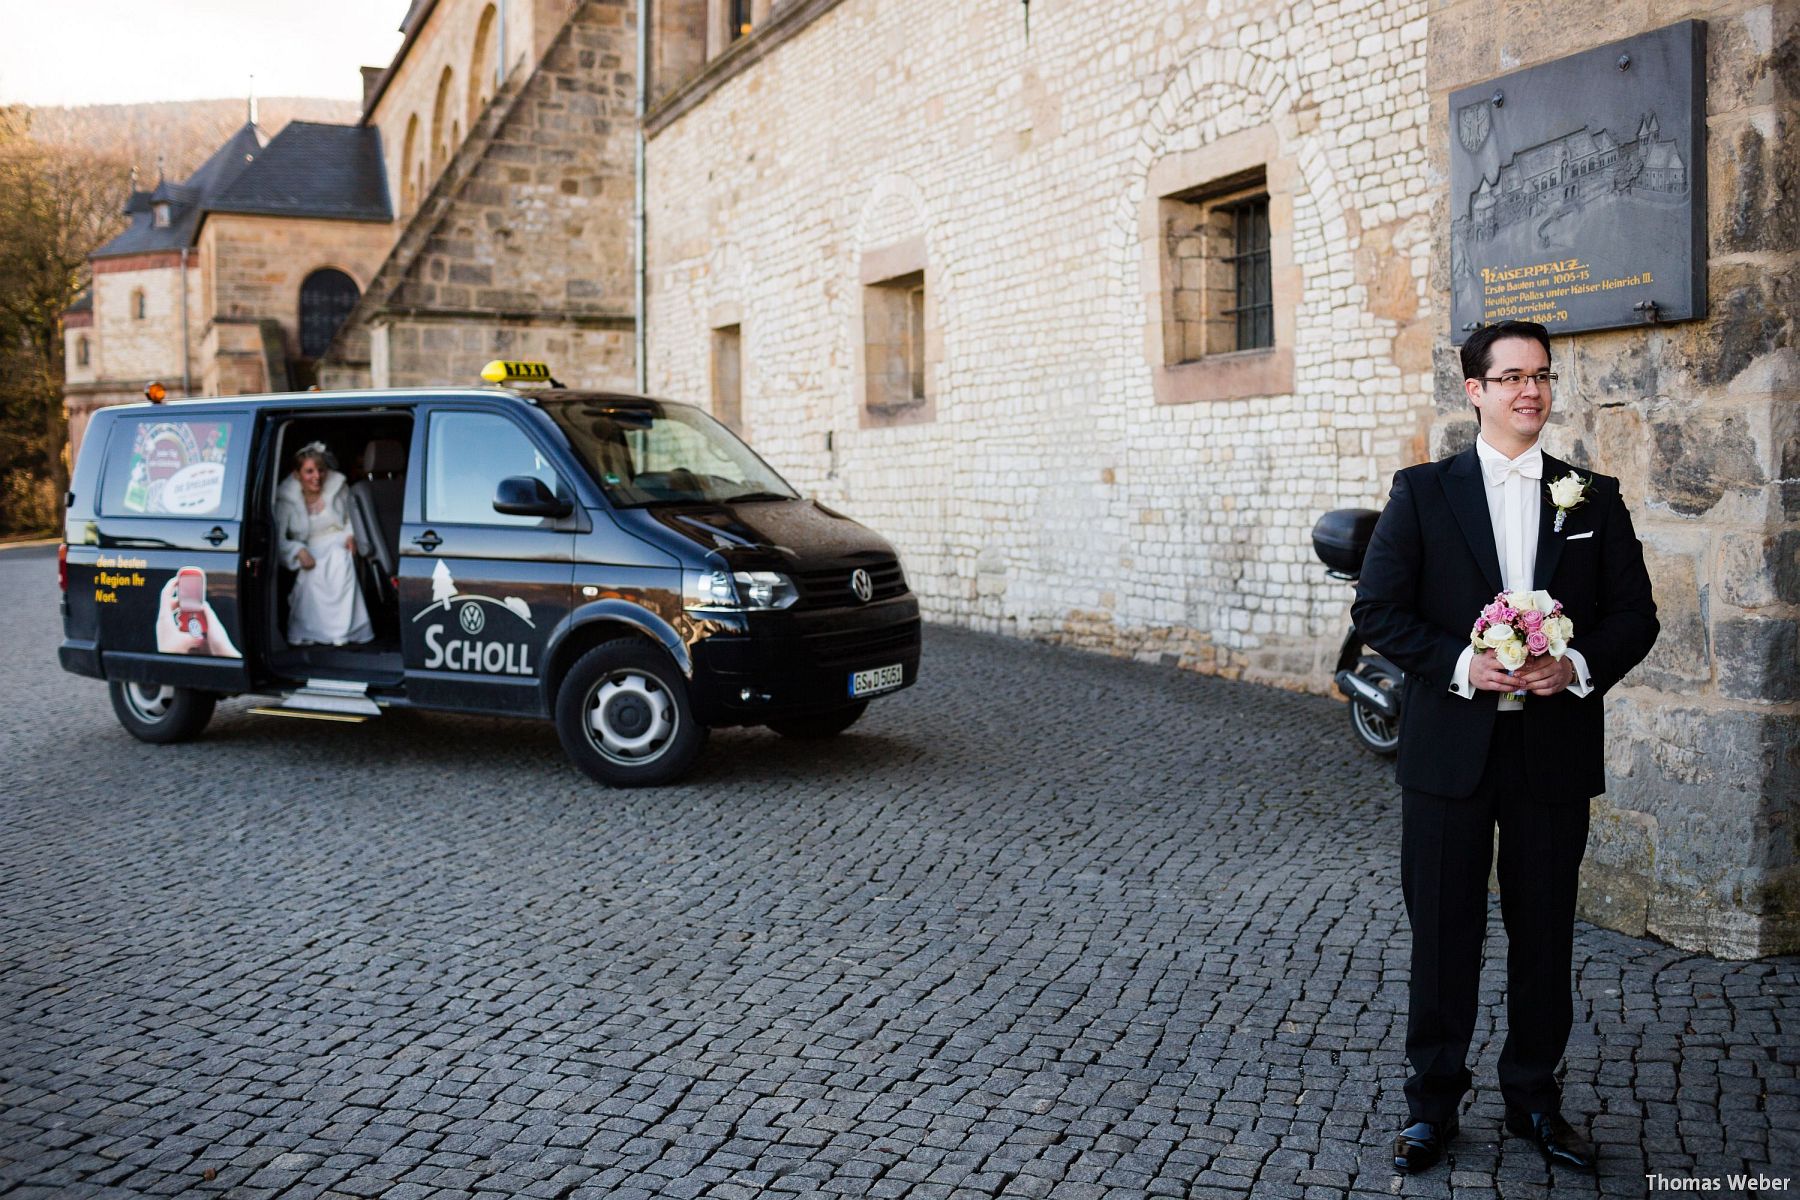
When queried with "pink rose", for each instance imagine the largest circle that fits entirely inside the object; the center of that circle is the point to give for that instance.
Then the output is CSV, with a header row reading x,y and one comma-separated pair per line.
x,y
1537,641
1533,621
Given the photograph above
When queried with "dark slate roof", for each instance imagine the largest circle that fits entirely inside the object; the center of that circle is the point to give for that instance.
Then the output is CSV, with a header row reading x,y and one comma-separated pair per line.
x,y
313,170
187,201
308,170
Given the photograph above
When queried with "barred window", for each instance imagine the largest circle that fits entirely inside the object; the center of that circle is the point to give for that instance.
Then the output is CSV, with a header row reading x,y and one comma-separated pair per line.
x,y
1254,310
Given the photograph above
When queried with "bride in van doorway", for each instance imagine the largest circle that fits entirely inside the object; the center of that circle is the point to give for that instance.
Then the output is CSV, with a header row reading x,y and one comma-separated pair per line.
x,y
312,516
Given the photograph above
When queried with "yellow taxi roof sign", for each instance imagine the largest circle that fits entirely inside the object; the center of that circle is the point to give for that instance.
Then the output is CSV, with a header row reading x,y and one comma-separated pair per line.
x,y
501,371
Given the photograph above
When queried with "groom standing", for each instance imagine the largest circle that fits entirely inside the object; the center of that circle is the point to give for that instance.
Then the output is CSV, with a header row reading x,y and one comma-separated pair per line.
x,y
1472,757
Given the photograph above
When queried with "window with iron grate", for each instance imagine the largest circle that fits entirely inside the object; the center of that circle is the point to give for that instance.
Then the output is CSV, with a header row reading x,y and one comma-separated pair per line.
x,y
1254,310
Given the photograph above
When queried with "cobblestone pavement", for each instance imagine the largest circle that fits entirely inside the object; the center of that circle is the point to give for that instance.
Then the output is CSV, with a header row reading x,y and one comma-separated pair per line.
x,y
1046,925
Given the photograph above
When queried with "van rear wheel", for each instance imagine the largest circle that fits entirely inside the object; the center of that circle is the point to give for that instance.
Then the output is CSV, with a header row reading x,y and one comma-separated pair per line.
x,y
820,725
624,717
160,714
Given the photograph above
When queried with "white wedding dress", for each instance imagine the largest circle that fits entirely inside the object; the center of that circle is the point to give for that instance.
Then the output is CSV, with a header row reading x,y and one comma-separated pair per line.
x,y
325,607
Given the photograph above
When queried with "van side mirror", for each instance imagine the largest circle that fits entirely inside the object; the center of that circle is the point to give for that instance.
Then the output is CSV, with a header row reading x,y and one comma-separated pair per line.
x,y
526,496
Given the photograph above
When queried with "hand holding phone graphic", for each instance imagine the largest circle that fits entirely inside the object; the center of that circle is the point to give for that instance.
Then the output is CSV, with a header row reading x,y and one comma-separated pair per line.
x,y
185,622
190,599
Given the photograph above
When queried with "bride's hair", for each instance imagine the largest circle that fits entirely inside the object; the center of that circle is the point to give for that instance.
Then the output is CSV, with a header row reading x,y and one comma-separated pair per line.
x,y
318,453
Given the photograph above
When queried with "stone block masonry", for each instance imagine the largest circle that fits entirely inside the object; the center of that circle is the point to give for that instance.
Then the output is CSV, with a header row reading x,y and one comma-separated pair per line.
x,y
523,247
1051,495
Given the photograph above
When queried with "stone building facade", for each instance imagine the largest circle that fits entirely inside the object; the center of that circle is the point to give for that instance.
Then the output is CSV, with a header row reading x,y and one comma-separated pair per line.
x,y
481,208
219,283
966,272
515,191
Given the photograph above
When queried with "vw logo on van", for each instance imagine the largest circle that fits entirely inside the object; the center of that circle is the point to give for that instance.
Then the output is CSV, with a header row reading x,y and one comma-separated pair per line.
x,y
862,585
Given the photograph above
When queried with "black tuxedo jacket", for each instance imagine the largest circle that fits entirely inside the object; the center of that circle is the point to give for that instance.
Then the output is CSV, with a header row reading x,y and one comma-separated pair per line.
x,y
1432,566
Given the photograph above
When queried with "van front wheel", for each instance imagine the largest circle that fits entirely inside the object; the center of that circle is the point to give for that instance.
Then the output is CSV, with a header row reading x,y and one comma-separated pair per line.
x,y
623,716
160,714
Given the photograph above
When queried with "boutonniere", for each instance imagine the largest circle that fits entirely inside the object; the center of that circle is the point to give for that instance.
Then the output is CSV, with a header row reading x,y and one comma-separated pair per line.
x,y
1566,493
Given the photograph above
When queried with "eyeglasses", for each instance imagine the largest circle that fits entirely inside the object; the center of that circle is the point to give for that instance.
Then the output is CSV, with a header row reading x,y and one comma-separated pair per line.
x,y
1513,381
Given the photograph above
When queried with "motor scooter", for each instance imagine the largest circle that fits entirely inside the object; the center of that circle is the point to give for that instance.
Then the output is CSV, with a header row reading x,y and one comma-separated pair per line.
x,y
1374,686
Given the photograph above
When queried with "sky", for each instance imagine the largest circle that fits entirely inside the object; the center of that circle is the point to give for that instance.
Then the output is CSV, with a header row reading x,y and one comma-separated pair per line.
x,y
125,51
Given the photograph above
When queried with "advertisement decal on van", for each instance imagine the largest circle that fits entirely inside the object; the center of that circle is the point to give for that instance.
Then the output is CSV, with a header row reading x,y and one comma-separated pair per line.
x,y
475,644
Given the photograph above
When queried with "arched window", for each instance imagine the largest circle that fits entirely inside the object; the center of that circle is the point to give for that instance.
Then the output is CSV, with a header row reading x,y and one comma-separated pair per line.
x,y
409,194
440,130
326,298
138,309
482,65
81,351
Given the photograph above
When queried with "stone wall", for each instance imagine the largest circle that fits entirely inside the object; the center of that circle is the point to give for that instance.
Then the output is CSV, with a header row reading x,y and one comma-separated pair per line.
x,y
126,347
1051,494
523,248
461,37
1696,838
255,265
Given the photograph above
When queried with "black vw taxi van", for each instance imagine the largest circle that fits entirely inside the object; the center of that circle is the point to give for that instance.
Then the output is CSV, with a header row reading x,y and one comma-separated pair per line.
x,y
621,565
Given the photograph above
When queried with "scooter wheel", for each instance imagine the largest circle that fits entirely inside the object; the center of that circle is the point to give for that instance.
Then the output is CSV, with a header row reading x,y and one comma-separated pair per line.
x,y
1379,733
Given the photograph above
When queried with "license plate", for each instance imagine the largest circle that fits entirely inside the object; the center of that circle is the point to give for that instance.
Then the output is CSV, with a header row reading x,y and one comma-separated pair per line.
x,y
876,679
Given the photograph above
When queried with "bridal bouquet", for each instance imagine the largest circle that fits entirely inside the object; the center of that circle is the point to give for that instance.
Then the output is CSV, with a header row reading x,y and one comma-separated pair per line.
x,y
1518,625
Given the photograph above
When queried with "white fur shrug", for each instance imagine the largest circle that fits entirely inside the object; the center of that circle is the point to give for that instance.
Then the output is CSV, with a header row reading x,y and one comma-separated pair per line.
x,y
293,528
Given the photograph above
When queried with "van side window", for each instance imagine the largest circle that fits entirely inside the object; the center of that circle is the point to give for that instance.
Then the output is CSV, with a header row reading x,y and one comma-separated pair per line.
x,y
467,455
169,468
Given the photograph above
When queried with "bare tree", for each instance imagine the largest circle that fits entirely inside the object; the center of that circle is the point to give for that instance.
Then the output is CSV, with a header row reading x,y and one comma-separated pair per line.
x,y
56,206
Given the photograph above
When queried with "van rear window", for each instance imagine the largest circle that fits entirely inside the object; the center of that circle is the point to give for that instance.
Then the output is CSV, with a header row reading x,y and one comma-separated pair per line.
x,y
164,468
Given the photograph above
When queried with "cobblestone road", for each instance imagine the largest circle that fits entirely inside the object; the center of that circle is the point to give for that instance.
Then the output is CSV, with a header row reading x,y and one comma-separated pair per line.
x,y
1046,925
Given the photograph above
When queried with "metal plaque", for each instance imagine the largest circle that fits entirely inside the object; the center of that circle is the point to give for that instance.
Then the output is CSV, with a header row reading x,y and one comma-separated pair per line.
x,y
1577,189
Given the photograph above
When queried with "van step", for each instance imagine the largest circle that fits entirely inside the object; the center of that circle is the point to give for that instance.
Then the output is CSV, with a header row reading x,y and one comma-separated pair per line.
x,y
264,710
344,696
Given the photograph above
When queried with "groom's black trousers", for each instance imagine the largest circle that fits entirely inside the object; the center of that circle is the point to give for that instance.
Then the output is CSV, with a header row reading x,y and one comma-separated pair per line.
x,y
1446,849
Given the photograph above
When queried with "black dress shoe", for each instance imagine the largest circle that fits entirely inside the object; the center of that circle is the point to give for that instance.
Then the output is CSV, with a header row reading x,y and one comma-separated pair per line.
x,y
1561,1144
1419,1146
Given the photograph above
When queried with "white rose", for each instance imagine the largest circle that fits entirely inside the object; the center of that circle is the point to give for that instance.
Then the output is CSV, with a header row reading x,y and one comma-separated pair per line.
x,y
1498,636
1522,601
1512,655
1566,492
1559,629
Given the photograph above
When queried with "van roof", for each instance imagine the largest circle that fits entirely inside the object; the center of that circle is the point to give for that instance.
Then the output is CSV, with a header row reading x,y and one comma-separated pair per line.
x,y
379,397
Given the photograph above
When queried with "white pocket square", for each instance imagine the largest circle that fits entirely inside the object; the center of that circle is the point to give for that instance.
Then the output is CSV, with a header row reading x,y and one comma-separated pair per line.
x,y
1576,537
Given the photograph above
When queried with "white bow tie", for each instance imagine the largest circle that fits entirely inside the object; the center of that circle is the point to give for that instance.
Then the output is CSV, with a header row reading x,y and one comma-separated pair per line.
x,y
1529,465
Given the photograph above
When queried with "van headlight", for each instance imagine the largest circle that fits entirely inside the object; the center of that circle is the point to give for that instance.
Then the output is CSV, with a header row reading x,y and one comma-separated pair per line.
x,y
737,591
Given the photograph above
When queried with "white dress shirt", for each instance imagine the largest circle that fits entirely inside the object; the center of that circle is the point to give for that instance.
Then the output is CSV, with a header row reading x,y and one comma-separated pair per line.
x,y
1514,509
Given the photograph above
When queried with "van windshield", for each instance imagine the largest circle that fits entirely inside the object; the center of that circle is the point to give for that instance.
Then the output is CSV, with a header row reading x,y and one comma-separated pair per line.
x,y
644,452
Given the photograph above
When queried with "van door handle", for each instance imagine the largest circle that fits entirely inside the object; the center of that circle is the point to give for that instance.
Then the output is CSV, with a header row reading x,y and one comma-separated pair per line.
x,y
428,540
216,536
